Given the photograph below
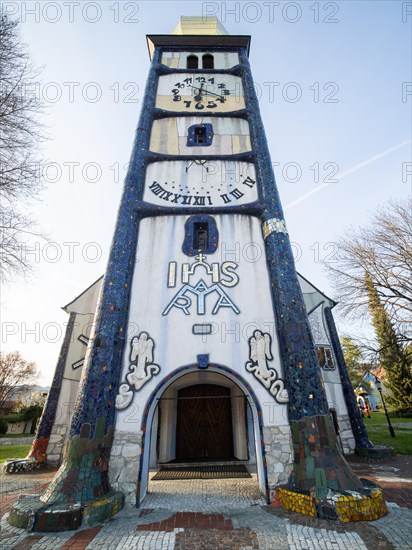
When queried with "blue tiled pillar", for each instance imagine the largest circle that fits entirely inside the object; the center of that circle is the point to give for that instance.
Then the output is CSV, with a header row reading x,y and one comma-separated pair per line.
x,y
83,475
314,440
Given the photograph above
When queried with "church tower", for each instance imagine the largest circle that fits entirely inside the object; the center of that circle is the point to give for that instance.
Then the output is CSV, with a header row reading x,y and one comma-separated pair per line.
x,y
202,348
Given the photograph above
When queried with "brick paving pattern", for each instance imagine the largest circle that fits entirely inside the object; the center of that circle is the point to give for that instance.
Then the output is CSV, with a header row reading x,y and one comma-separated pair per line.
x,y
189,520
81,539
220,515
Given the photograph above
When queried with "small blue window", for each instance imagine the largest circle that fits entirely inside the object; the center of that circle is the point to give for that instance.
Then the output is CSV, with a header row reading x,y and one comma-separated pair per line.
x,y
200,135
201,235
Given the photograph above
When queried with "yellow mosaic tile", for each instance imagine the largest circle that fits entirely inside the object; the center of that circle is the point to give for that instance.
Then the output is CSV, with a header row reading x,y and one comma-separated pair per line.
x,y
303,504
365,509
348,508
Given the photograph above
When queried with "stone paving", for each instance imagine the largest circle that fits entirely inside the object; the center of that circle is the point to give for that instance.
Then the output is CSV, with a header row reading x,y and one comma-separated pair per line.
x,y
219,515
204,495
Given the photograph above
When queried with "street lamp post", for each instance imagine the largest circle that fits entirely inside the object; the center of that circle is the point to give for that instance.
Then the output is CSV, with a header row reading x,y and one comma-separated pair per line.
x,y
378,385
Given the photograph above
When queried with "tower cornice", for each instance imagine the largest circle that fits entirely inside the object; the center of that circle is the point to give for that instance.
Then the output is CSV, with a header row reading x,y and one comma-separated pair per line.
x,y
144,209
163,113
249,156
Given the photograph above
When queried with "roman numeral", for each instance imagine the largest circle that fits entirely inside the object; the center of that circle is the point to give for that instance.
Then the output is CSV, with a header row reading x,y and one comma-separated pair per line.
x,y
155,188
237,194
165,195
225,198
187,199
199,201
249,182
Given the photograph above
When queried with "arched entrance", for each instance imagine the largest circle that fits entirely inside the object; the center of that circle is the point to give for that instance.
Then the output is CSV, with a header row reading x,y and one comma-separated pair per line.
x,y
205,413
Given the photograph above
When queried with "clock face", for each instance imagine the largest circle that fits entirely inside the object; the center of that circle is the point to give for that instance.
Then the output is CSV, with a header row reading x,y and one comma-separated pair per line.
x,y
200,92
200,183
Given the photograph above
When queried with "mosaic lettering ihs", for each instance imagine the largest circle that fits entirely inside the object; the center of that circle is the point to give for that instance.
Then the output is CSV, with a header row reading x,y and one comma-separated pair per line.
x,y
219,274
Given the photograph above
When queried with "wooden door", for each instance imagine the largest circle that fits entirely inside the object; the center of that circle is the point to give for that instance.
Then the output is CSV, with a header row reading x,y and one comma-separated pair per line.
x,y
204,423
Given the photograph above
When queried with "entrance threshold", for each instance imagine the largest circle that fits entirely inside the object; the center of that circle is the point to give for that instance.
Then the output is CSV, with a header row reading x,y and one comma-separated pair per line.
x,y
205,462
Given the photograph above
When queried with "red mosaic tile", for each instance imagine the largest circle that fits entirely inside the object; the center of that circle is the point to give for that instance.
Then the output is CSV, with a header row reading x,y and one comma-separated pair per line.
x,y
186,520
81,540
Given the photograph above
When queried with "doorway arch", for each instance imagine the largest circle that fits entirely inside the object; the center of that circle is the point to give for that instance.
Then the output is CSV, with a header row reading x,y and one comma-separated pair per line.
x,y
232,378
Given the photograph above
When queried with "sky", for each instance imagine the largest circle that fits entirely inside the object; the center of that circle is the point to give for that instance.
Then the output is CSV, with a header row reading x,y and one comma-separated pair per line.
x,y
334,86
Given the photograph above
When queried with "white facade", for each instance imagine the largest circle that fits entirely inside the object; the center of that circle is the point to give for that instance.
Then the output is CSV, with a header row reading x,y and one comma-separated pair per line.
x,y
83,308
229,339
171,329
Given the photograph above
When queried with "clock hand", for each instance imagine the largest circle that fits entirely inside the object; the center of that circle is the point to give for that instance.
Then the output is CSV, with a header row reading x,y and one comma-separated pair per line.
x,y
206,92
199,96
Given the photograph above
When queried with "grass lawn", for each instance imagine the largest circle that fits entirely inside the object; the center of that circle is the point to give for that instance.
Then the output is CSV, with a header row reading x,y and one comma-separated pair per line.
x,y
377,427
13,451
378,431
16,436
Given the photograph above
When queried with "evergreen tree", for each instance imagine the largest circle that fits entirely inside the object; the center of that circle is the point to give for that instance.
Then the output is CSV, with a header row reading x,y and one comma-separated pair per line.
x,y
394,358
355,363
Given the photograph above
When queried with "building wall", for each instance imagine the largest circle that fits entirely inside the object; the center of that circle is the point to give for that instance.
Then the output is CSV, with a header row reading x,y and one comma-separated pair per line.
x,y
69,386
171,329
178,60
16,428
331,378
169,325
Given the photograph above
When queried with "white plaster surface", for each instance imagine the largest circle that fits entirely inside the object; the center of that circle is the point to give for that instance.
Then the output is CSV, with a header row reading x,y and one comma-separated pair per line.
x,y
175,344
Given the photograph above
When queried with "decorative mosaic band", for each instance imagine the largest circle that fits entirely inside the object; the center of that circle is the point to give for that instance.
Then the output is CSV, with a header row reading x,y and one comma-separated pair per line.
x,y
274,225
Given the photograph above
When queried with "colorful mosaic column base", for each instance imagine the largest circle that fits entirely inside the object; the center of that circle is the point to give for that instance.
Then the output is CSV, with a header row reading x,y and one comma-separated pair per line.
x,y
346,506
38,449
322,484
80,493
35,459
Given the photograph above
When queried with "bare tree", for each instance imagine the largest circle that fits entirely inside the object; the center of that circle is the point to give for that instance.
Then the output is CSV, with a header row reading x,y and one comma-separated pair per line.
x,y
20,134
383,251
14,371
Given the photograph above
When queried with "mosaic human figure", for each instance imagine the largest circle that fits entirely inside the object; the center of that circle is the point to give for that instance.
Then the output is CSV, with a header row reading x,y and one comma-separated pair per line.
x,y
141,367
260,353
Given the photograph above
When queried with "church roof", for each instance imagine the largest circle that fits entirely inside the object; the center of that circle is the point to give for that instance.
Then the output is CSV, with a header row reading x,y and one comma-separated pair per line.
x,y
312,296
85,302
